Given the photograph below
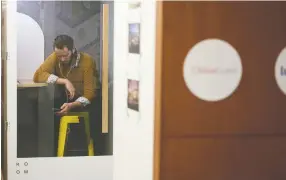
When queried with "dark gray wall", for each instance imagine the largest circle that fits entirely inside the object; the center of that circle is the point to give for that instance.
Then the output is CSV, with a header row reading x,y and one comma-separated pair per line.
x,y
79,19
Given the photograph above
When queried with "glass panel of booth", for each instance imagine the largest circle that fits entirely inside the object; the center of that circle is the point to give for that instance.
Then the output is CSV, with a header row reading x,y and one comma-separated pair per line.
x,y
59,89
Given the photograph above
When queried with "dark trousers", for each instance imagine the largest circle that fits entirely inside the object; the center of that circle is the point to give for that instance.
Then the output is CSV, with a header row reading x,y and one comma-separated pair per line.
x,y
94,110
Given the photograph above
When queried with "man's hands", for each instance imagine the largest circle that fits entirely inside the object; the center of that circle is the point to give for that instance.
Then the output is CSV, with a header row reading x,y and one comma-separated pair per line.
x,y
68,85
66,107
70,89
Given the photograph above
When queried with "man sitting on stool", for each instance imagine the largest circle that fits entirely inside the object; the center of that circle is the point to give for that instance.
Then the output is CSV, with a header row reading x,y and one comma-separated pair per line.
x,y
75,71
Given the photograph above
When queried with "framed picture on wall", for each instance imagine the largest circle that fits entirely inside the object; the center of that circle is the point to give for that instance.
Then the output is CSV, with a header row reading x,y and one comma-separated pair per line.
x,y
133,95
134,38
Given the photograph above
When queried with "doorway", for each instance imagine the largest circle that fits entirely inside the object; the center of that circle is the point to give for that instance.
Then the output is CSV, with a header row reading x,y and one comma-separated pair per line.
x,y
32,136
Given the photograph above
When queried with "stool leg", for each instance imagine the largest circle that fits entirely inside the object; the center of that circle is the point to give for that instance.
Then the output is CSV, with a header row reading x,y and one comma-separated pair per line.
x,y
90,142
90,148
65,120
87,131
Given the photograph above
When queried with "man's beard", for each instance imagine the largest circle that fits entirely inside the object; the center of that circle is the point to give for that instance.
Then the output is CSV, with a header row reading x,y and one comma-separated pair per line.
x,y
65,62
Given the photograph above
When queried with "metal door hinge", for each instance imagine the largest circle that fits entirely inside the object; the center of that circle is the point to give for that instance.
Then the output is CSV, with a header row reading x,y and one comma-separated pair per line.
x,y
7,56
7,125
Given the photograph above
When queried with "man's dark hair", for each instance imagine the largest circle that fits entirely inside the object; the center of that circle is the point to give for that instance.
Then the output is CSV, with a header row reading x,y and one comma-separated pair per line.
x,y
62,41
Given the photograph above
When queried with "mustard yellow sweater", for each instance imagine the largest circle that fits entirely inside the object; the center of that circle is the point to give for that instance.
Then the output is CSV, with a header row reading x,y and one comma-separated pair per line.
x,y
84,77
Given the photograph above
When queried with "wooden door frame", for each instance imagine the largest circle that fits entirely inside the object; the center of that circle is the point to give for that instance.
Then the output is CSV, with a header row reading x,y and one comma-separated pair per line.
x,y
4,85
104,66
158,90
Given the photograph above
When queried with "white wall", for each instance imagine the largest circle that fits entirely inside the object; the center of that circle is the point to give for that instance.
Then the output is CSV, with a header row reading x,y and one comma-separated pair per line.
x,y
30,47
133,138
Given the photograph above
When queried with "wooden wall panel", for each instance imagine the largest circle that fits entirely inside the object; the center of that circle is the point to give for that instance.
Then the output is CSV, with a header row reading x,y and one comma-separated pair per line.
x,y
257,31
224,158
243,136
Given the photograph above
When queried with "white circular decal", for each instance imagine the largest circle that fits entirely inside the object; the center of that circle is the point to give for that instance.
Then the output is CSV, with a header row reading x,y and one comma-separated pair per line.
x,y
280,71
212,70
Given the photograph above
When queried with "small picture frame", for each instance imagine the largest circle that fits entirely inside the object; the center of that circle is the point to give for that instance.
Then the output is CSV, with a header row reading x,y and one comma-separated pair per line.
x,y
133,95
134,38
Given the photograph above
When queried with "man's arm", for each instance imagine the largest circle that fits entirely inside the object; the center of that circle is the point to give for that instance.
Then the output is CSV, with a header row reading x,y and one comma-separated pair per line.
x,y
44,72
89,85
